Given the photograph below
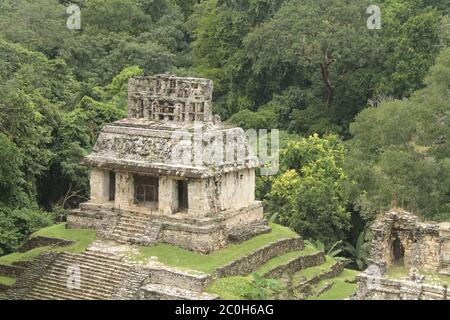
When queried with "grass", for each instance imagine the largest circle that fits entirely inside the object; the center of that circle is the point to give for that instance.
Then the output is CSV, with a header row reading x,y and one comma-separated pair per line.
x,y
277,261
234,288
311,272
231,288
188,260
341,289
25,256
401,272
7,281
82,239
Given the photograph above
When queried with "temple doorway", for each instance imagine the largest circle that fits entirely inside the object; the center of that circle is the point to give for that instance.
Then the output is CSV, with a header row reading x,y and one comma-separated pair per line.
x,y
182,187
398,251
112,186
146,191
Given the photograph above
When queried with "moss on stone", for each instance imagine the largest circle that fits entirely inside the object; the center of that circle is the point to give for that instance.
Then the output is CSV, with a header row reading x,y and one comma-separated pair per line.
x,y
82,239
280,260
7,281
231,288
343,286
185,259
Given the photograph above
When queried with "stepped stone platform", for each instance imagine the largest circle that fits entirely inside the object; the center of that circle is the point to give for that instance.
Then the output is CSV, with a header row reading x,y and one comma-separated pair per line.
x,y
183,230
105,274
108,271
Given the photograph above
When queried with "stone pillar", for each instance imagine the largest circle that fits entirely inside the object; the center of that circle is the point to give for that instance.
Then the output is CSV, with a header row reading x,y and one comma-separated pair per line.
x,y
99,182
250,187
168,195
124,190
198,198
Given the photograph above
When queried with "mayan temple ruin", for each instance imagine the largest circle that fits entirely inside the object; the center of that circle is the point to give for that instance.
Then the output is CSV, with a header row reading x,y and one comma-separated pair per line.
x,y
172,215
144,192
147,188
402,241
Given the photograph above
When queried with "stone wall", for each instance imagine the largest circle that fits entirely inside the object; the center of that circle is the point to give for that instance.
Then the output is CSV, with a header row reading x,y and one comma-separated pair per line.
x,y
99,183
250,262
124,190
10,271
201,234
36,242
170,98
237,189
180,279
33,272
380,288
421,241
295,264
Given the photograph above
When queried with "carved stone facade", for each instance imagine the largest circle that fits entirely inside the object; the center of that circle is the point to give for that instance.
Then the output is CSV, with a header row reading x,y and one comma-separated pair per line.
x,y
172,172
170,98
401,235
400,238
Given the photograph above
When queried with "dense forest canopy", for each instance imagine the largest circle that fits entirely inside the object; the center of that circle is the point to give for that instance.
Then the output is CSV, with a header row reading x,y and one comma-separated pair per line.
x,y
364,114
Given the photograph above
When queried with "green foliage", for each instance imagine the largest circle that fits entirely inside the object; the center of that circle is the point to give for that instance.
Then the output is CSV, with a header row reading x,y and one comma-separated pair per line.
x,y
411,37
16,224
40,25
309,195
399,153
262,288
332,251
304,66
11,177
359,252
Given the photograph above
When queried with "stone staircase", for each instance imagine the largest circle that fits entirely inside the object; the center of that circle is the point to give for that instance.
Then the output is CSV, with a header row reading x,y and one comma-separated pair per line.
x,y
129,288
137,228
164,292
101,275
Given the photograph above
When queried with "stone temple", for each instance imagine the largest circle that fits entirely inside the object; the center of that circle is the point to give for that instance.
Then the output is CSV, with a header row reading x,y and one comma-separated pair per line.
x,y
172,172
402,240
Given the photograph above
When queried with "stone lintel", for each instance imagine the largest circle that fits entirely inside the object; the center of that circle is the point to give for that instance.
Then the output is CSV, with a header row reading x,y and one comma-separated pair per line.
x,y
162,169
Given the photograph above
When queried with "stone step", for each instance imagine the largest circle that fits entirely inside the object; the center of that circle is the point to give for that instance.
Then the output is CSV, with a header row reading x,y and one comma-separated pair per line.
x,y
184,280
129,239
445,272
88,268
110,277
47,293
62,290
129,231
130,219
100,276
101,254
85,282
162,292
93,257
92,287
135,217
131,226
91,265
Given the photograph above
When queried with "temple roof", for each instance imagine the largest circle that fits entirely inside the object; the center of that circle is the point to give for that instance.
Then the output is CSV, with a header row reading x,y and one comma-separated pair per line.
x,y
194,149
